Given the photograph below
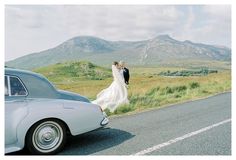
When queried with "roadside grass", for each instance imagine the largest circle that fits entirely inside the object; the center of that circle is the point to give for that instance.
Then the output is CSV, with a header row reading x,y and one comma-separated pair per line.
x,y
147,89
162,91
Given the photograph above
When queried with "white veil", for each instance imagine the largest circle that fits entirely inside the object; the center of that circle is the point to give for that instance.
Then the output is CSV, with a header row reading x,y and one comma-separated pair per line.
x,y
117,75
115,95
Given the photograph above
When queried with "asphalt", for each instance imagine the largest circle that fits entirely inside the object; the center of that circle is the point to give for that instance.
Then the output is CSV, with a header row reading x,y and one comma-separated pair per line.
x,y
134,133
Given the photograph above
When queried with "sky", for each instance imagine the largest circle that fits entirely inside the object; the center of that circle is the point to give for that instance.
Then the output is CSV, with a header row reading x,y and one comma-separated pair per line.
x,y
34,28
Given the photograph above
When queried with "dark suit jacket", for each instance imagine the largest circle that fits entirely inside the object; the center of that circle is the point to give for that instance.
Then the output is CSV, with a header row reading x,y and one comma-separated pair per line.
x,y
126,75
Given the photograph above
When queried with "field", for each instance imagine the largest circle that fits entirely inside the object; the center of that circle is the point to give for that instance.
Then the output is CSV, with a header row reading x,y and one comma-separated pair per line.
x,y
146,90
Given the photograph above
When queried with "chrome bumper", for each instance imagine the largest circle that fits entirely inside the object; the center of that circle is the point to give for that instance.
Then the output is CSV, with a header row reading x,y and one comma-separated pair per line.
x,y
105,120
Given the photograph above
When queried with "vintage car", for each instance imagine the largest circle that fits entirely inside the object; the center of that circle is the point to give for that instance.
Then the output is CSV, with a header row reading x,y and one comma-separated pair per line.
x,y
39,117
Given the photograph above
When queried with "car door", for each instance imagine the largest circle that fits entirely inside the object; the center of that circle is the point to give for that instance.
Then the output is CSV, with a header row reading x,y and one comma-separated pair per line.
x,y
15,107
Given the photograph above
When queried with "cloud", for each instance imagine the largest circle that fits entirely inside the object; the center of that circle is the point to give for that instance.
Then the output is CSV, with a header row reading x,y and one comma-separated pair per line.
x,y
222,12
209,24
115,22
34,28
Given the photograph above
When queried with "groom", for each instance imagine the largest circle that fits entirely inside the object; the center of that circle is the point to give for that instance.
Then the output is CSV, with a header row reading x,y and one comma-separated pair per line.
x,y
125,71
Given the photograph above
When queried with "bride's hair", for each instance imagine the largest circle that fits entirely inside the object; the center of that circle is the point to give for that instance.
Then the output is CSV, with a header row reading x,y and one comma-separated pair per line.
x,y
115,63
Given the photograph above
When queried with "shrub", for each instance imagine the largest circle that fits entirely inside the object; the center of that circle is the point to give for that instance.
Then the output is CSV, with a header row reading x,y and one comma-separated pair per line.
x,y
153,91
177,96
205,91
180,88
169,90
123,109
204,71
107,111
194,85
166,90
134,99
147,101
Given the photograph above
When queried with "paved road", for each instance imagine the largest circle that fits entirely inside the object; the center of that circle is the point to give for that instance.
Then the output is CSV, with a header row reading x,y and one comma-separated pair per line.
x,y
192,128
134,133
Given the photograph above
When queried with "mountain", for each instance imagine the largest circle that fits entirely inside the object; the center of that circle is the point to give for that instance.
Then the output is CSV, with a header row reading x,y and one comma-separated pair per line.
x,y
161,50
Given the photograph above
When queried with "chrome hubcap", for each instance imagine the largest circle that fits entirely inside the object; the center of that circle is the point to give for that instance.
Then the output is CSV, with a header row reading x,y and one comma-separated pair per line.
x,y
47,136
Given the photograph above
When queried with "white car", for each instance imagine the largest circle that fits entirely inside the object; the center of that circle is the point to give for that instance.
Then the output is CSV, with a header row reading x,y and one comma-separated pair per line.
x,y
40,117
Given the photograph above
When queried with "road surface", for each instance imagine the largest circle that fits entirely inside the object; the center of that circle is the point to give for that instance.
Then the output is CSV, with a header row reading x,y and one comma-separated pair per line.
x,y
201,127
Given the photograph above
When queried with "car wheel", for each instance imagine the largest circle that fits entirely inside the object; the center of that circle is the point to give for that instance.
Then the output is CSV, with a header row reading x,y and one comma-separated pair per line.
x,y
46,137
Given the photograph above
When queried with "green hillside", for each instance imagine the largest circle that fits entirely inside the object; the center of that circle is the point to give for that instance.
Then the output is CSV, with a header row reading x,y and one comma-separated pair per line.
x,y
74,71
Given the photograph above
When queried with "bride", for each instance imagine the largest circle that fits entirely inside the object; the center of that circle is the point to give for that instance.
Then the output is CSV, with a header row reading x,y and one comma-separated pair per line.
x,y
116,94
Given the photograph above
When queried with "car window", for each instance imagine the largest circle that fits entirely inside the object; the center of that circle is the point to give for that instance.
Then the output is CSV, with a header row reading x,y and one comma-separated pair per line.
x,y
17,88
6,87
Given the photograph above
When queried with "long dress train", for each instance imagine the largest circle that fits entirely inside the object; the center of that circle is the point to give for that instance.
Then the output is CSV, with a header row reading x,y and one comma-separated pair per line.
x,y
115,95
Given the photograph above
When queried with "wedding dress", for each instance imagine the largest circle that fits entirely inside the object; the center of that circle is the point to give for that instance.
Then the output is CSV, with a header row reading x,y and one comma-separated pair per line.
x,y
115,95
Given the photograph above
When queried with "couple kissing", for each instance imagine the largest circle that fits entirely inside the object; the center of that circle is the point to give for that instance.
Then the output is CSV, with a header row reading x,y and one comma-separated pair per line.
x,y
116,94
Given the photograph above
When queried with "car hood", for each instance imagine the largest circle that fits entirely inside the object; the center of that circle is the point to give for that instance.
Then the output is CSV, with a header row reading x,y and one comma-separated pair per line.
x,y
72,96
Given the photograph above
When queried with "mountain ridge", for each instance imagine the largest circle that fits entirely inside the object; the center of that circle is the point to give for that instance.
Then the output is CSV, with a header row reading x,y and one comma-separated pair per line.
x,y
161,49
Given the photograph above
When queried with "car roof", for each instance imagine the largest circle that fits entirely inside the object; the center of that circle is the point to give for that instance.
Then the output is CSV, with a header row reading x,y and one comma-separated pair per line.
x,y
18,72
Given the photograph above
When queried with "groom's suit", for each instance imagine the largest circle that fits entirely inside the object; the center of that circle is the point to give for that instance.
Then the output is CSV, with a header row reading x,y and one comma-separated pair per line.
x,y
126,75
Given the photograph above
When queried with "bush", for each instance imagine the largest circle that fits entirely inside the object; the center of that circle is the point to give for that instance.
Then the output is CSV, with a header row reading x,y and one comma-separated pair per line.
x,y
180,88
169,90
153,91
206,91
204,71
107,111
194,85
123,109
166,90
134,99
177,96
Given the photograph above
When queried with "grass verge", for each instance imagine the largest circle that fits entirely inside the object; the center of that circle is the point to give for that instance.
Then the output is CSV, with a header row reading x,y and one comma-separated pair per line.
x,y
147,89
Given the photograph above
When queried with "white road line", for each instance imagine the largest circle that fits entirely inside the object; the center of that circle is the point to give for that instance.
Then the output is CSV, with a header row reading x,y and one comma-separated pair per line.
x,y
159,146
